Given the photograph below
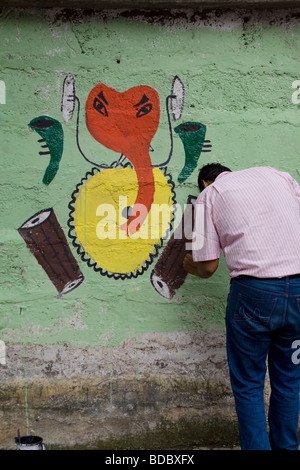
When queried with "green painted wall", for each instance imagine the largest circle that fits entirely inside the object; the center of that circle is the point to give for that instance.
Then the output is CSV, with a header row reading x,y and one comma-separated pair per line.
x,y
237,69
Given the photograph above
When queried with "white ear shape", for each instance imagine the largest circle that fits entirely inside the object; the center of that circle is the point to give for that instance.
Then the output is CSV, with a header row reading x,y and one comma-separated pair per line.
x,y
177,100
68,97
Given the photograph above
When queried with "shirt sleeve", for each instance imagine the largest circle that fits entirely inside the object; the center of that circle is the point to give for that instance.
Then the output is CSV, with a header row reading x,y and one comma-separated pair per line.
x,y
206,243
295,187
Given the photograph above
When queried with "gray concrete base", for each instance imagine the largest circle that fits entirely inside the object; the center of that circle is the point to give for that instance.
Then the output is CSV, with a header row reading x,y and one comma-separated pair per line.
x,y
161,389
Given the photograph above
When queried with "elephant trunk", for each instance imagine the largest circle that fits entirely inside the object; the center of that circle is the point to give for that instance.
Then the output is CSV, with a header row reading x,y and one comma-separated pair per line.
x,y
145,195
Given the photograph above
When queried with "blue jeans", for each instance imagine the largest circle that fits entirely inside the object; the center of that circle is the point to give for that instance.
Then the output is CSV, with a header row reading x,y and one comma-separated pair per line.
x,y
263,325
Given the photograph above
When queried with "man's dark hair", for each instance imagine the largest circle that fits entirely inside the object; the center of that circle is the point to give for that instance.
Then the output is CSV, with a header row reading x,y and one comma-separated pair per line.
x,y
209,172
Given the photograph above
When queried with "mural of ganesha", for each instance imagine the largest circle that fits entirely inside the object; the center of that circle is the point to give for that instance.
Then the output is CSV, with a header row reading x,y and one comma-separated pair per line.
x,y
120,212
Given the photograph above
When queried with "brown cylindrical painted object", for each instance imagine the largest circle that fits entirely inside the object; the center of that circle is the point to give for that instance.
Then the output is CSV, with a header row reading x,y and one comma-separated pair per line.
x,y
169,273
46,240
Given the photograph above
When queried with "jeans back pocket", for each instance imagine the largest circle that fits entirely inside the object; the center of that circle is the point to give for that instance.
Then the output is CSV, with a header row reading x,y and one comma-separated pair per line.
x,y
253,314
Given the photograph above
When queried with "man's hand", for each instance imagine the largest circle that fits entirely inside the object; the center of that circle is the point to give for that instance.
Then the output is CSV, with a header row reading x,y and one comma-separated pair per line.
x,y
202,269
189,265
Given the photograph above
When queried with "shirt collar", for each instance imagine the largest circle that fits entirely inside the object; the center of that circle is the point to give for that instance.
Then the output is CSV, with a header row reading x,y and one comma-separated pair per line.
x,y
222,174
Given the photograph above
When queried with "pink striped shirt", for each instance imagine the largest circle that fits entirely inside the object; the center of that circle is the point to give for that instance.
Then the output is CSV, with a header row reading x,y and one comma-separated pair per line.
x,y
253,215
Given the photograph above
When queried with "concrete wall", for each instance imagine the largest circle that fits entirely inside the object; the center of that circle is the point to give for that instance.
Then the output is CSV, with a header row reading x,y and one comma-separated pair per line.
x,y
124,358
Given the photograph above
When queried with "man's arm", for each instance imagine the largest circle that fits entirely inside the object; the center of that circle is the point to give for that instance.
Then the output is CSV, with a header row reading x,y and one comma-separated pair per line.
x,y
204,269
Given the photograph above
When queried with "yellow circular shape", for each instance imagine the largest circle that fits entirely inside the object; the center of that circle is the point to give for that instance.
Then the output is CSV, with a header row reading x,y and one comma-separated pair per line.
x,y
100,209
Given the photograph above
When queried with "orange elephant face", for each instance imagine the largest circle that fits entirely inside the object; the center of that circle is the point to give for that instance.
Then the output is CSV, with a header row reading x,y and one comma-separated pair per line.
x,y
126,123
123,122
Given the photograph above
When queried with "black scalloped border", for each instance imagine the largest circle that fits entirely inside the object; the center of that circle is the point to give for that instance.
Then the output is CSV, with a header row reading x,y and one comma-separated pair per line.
x,y
83,255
